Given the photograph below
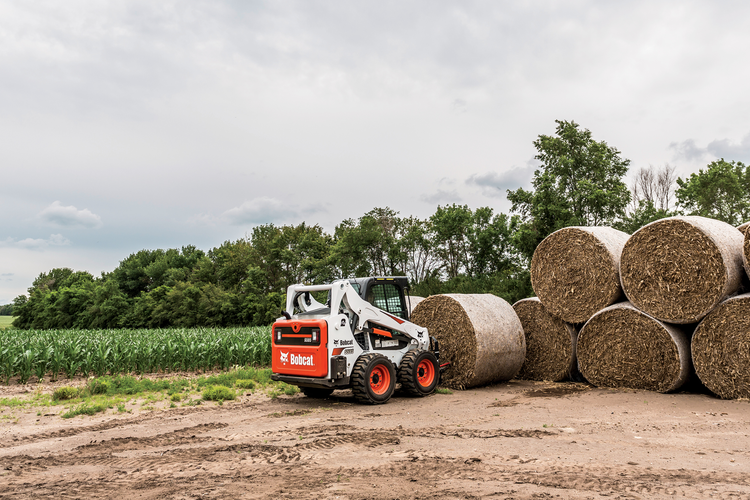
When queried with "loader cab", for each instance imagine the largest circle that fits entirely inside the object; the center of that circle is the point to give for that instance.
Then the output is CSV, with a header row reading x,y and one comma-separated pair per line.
x,y
387,293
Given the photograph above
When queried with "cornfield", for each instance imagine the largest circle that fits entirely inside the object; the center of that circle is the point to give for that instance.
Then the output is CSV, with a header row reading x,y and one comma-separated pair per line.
x,y
24,353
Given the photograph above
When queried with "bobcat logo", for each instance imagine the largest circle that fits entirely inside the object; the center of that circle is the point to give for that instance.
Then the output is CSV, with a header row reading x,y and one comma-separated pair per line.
x,y
284,356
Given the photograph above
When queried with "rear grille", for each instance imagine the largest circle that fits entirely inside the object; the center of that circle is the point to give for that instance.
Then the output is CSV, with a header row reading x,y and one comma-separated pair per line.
x,y
290,337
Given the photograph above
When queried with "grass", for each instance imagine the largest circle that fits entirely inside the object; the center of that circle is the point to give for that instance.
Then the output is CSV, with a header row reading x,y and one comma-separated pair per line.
x,y
444,390
115,392
5,322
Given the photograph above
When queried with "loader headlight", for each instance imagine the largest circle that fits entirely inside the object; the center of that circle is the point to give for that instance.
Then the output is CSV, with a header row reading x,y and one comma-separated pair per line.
x,y
315,334
278,335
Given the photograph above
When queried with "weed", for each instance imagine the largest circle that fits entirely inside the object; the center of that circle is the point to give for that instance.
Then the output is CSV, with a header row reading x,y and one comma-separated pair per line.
x,y
244,383
86,408
218,393
65,393
443,390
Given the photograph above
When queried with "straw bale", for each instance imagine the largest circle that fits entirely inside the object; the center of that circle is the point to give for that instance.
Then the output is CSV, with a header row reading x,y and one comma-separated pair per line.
x,y
743,227
721,348
679,268
550,343
746,250
412,302
480,335
621,346
574,271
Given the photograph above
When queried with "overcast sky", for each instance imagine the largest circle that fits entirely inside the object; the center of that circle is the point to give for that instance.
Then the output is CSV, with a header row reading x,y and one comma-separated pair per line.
x,y
139,124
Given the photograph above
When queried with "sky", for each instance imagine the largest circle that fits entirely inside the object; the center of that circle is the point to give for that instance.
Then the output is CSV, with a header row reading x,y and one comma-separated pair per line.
x,y
138,124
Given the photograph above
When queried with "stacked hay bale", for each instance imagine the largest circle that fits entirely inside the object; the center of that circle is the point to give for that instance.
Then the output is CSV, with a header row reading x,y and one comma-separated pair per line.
x,y
621,346
480,335
550,343
674,272
721,348
679,268
575,271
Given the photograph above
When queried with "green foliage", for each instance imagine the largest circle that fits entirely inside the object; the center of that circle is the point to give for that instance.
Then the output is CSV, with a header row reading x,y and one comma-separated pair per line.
x,y
98,386
6,310
65,393
579,183
245,383
218,393
721,192
644,214
86,408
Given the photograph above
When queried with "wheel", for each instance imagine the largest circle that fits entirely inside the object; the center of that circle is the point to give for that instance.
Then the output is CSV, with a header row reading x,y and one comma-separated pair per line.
x,y
419,373
316,392
373,379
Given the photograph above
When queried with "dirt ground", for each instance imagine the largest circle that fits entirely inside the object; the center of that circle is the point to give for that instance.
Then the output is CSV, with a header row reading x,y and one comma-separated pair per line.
x,y
519,440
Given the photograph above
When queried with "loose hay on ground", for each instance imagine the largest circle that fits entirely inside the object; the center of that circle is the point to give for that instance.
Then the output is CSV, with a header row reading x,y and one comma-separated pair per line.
x,y
480,335
622,346
721,348
575,271
550,343
680,268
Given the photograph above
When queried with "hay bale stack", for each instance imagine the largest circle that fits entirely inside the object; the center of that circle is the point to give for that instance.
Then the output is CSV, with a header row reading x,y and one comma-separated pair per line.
x,y
480,335
550,343
621,346
721,348
575,271
678,269
412,302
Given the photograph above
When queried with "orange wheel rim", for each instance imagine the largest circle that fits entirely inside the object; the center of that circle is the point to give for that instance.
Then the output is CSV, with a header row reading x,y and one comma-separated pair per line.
x,y
425,373
380,379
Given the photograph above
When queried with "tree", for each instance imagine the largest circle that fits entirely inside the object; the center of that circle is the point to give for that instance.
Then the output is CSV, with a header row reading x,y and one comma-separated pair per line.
x,y
451,226
721,192
579,183
654,186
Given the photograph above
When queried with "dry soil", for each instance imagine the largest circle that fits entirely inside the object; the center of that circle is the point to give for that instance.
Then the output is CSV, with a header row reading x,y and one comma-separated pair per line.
x,y
518,440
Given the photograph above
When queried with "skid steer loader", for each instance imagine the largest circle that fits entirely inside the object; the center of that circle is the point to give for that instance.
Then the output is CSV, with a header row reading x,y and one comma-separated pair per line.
x,y
361,338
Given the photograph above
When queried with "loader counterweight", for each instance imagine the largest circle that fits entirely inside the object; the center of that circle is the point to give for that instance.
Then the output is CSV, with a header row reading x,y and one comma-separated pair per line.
x,y
300,347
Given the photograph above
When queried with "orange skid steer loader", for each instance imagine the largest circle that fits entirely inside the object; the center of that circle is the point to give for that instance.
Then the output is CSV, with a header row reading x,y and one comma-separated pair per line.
x,y
361,338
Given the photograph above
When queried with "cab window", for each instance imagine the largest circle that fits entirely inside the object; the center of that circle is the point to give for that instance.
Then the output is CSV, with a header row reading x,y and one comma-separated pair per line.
x,y
386,296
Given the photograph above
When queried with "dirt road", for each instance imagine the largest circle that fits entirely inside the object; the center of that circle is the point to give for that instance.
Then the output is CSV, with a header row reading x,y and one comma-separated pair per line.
x,y
519,440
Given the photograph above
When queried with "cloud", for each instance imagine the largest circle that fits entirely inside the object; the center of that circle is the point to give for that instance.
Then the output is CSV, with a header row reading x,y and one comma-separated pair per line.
x,y
496,184
263,210
54,240
687,150
718,148
70,216
442,196
722,148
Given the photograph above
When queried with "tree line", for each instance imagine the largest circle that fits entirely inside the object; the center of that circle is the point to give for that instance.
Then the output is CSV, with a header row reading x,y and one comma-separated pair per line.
x,y
580,182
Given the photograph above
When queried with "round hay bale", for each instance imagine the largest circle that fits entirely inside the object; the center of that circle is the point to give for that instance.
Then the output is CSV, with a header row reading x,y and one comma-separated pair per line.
x,y
575,271
550,343
412,302
621,346
480,335
678,269
746,251
743,227
721,348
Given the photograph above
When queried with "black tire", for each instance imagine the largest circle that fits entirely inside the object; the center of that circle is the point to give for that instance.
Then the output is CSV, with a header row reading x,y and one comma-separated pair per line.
x,y
419,373
316,392
373,379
